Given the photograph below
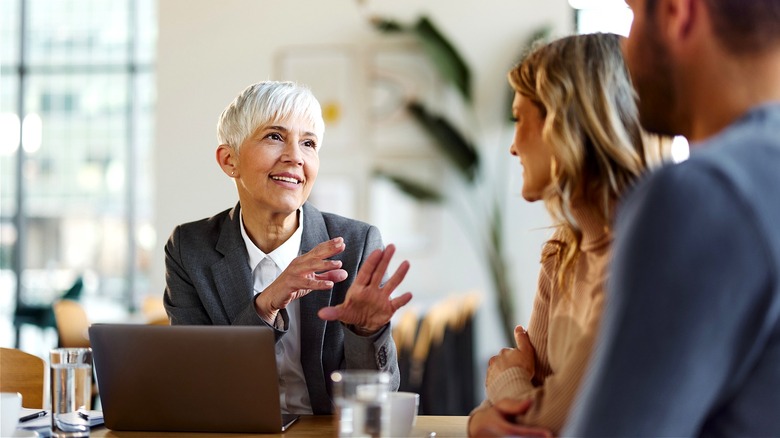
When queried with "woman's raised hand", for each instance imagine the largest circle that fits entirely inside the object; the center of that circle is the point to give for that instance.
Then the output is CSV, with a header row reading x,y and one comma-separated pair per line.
x,y
307,272
368,306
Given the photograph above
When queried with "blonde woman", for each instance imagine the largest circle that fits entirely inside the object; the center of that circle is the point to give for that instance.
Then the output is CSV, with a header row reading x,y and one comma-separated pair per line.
x,y
579,141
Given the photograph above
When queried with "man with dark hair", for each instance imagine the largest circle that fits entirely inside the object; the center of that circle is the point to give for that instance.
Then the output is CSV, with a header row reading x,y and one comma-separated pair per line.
x,y
690,340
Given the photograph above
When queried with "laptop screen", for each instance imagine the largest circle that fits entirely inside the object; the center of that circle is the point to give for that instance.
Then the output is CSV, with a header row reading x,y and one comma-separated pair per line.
x,y
187,378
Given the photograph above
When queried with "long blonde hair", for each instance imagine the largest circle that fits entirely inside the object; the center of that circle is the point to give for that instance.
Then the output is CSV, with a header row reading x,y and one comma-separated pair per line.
x,y
581,86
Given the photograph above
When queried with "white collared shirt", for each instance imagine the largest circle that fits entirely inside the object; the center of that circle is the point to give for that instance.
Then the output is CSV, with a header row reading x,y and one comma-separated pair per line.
x,y
293,393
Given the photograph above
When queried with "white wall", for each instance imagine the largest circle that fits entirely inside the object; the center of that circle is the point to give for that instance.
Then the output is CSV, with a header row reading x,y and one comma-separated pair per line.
x,y
210,50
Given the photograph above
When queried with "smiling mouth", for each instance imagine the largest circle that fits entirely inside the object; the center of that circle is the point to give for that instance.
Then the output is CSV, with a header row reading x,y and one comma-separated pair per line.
x,y
286,179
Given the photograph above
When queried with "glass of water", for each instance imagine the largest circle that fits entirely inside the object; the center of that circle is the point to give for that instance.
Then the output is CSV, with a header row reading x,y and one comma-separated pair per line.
x,y
360,397
71,391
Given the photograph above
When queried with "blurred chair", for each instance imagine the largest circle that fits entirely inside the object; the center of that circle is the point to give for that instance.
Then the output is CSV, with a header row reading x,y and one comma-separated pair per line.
x,y
74,293
404,334
42,316
405,331
154,311
72,323
442,367
159,320
23,373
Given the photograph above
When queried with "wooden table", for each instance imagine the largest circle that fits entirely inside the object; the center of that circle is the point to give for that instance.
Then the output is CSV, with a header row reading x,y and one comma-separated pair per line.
x,y
319,426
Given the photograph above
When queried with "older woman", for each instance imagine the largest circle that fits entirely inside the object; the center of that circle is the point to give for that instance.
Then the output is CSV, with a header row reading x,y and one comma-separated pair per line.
x,y
274,260
578,138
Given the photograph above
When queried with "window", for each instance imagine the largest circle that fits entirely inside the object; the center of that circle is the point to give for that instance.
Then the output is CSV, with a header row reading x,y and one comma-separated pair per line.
x,y
77,80
602,16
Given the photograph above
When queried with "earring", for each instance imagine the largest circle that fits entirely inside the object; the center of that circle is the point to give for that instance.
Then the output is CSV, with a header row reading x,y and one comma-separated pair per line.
x,y
232,173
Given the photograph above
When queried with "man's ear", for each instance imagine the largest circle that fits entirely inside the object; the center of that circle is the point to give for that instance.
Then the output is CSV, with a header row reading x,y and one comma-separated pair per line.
x,y
678,19
227,158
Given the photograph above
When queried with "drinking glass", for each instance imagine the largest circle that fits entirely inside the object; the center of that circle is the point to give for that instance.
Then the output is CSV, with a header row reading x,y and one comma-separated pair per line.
x,y
71,391
360,398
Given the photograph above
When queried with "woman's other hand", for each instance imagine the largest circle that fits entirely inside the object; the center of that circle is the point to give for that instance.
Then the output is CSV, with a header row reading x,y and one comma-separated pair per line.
x,y
368,306
307,272
522,356
496,421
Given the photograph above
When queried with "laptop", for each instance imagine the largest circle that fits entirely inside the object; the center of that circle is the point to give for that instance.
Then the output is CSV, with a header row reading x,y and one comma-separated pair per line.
x,y
188,378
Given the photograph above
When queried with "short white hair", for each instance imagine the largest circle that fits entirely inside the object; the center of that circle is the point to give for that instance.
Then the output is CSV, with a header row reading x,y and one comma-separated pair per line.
x,y
266,102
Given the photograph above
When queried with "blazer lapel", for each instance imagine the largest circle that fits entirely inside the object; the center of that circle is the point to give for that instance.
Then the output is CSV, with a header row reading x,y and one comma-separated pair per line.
x,y
232,275
314,233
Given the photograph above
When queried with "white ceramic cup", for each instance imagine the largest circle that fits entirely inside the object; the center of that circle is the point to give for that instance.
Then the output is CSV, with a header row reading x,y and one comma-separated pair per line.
x,y
10,406
403,412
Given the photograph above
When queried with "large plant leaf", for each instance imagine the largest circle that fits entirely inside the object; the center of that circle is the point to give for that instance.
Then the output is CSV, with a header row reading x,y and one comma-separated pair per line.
x,y
442,53
496,227
444,56
451,143
412,188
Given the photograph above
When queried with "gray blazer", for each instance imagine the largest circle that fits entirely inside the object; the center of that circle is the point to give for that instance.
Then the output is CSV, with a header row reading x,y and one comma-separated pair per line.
x,y
208,281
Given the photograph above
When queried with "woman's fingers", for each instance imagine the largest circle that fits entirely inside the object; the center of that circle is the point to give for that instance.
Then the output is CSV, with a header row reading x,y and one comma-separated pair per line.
x,y
521,338
329,313
327,249
381,267
397,278
317,260
400,301
373,270
335,275
367,269
365,305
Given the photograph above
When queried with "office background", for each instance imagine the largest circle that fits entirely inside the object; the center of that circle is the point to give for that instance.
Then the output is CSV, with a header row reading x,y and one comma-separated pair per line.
x,y
108,115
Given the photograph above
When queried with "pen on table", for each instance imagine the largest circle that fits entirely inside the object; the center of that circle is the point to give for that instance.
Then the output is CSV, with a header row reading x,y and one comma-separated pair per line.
x,y
32,416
